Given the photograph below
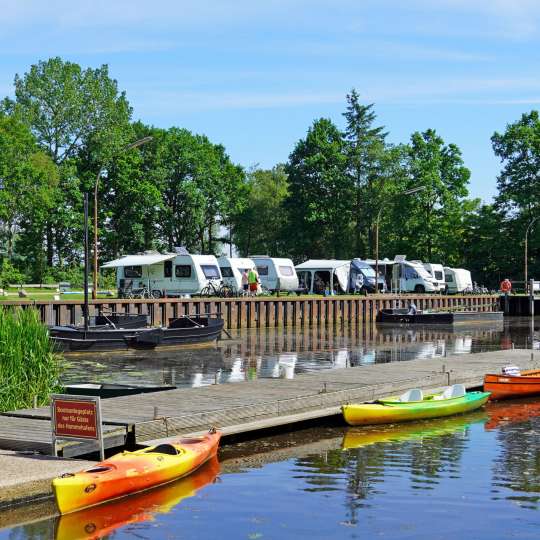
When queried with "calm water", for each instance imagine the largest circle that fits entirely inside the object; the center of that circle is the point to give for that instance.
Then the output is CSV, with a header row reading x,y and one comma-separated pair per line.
x,y
474,476
282,353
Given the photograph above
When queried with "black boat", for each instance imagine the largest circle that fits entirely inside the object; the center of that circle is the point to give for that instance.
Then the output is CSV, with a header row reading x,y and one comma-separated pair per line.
x,y
402,316
181,331
111,332
109,390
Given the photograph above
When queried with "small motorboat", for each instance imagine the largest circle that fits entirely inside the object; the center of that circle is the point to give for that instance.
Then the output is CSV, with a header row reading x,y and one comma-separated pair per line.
x,y
101,521
402,316
135,335
109,390
413,405
132,472
513,384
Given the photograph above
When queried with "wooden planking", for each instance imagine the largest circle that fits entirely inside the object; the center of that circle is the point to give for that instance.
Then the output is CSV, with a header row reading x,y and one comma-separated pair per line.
x,y
163,414
34,434
260,312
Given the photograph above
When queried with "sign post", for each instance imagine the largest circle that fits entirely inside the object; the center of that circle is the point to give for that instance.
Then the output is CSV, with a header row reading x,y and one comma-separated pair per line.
x,y
76,418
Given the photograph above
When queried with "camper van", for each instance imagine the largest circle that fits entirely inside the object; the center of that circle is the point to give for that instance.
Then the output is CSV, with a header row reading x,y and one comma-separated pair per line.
x,y
319,276
168,274
362,278
457,280
232,268
411,276
276,274
436,271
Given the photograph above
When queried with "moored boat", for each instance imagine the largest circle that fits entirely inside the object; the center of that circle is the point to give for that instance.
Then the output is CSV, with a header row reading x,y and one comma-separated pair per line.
x,y
109,337
505,386
132,472
402,316
109,390
413,405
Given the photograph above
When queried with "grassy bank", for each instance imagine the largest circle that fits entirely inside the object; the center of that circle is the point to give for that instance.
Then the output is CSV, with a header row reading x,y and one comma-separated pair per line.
x,y
29,367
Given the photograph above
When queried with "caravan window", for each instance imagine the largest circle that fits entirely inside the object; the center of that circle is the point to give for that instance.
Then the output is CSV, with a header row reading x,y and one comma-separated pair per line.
x,y
210,271
167,269
409,273
286,271
438,275
262,270
449,278
182,270
226,271
133,271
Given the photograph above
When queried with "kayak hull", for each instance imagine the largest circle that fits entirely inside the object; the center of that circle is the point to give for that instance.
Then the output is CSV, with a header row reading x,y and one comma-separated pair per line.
x,y
132,472
389,410
507,386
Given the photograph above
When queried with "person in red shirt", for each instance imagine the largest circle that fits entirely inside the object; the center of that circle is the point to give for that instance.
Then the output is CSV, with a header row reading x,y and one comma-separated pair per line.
x,y
506,286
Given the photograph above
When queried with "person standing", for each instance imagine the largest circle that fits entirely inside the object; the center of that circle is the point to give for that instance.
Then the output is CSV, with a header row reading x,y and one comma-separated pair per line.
x,y
253,279
245,282
506,286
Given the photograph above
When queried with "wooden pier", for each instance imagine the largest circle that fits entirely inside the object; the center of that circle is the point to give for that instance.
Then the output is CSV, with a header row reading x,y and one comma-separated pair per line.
x,y
262,312
255,405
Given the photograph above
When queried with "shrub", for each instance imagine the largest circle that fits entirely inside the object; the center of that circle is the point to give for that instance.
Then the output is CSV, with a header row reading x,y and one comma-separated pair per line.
x,y
29,366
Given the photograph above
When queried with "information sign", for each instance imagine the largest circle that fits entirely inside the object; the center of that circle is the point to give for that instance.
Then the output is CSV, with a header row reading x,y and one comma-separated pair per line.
x,y
76,417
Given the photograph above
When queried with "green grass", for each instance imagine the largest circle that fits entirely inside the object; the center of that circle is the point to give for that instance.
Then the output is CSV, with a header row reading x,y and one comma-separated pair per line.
x,y
46,294
29,366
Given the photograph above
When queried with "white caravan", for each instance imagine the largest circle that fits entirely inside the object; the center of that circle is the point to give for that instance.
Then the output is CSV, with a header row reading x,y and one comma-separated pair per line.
x,y
276,274
457,280
411,276
168,274
318,276
436,271
232,268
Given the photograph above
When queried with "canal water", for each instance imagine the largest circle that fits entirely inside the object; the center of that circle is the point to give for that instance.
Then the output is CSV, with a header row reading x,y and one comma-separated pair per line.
x,y
474,476
285,352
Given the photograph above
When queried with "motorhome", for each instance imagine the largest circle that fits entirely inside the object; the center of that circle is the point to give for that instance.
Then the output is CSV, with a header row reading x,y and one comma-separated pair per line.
x,y
232,269
167,274
276,274
320,276
457,280
362,278
411,276
436,271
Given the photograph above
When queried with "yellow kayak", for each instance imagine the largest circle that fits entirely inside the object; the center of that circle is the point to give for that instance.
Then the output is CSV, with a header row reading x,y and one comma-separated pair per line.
x,y
453,400
359,437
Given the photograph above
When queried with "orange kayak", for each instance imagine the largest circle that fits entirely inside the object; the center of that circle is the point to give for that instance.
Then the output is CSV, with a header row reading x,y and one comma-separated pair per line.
x,y
100,521
504,386
131,472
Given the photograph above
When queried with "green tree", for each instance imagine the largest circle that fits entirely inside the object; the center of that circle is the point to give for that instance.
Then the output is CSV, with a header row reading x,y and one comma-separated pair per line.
x,y
80,119
258,228
320,202
366,152
432,219
519,150
28,193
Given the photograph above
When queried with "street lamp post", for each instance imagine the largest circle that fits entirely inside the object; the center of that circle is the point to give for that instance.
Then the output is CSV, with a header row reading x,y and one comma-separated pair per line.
x,y
531,223
406,192
135,144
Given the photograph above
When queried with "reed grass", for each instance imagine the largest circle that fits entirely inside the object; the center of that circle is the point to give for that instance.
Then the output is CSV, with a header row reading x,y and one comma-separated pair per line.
x,y
29,366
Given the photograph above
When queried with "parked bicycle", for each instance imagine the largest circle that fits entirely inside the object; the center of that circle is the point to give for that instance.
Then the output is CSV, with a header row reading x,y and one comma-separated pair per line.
x,y
142,292
218,289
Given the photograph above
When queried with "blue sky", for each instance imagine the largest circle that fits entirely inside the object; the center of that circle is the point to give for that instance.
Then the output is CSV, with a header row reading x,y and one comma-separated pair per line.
x,y
254,75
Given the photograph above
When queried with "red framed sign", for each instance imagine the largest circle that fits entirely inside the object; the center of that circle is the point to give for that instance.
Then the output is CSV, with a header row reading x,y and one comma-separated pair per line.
x,y
76,417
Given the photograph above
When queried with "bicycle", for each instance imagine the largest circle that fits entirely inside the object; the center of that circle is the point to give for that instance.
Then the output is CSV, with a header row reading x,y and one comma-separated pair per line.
x,y
142,292
221,290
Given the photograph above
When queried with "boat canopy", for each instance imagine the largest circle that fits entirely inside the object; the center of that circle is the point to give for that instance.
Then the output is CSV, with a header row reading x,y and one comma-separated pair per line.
x,y
139,260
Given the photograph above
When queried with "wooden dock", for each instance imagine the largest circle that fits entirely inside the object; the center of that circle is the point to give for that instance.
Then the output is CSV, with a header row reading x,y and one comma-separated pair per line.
x,y
255,405
264,311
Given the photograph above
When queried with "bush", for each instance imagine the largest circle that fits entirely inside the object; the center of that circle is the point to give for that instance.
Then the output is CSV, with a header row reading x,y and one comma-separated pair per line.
x,y
10,274
29,366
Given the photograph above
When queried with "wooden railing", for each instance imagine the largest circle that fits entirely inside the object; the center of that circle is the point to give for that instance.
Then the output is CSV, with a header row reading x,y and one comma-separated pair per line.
x,y
260,312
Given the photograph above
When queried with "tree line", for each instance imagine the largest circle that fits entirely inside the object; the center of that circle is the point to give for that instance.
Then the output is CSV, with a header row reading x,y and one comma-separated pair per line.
x,y
67,127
